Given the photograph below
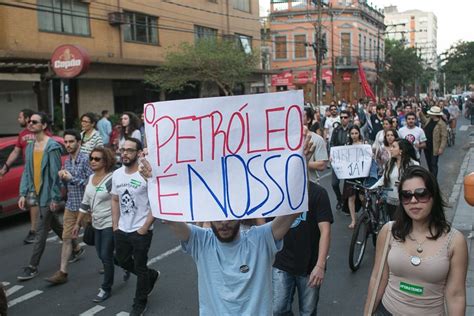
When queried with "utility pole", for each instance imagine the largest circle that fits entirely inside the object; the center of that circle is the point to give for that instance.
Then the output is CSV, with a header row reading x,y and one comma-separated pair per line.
x,y
319,55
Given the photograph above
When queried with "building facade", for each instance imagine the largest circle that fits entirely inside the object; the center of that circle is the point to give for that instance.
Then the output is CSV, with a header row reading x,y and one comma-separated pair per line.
x,y
123,39
352,32
416,29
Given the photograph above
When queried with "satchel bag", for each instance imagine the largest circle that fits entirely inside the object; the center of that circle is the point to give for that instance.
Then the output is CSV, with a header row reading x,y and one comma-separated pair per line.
x,y
380,270
89,235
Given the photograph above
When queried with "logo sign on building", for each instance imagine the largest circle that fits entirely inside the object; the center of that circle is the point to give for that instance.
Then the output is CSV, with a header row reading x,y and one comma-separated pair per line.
x,y
347,76
283,79
227,158
69,61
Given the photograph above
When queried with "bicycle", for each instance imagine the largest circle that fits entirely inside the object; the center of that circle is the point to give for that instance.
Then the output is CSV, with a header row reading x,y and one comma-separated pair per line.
x,y
371,219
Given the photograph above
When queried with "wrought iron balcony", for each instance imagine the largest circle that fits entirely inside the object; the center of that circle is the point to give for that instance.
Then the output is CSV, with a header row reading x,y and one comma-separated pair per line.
x,y
346,62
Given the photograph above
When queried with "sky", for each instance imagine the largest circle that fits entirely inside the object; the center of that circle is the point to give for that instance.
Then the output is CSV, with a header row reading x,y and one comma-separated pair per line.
x,y
454,17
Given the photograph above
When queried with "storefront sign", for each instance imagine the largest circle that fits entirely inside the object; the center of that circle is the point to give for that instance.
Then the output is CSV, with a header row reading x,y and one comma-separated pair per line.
x,y
283,79
347,76
69,61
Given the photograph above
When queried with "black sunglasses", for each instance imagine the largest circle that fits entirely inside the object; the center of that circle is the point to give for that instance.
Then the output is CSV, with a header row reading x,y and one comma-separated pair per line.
x,y
34,122
421,195
96,159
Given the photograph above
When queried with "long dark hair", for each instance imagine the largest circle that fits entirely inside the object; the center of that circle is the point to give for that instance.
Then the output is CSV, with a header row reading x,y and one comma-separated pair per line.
x,y
350,142
134,124
408,154
395,133
438,225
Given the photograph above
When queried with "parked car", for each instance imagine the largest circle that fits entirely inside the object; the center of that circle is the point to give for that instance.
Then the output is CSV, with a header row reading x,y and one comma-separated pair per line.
x,y
10,183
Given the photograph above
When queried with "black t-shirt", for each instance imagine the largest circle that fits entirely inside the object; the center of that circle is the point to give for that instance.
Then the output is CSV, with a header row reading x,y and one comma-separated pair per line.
x,y
429,128
301,244
377,125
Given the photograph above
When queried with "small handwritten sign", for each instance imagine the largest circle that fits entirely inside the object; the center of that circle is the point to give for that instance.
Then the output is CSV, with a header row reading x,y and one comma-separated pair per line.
x,y
352,161
227,158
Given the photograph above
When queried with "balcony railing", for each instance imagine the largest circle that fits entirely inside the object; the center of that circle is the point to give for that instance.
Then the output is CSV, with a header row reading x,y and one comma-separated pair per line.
x,y
346,61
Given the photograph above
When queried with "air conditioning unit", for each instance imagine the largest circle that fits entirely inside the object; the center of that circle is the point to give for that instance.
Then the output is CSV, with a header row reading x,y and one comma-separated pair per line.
x,y
117,18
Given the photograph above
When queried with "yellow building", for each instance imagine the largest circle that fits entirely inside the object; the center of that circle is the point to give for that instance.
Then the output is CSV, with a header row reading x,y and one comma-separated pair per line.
x,y
123,38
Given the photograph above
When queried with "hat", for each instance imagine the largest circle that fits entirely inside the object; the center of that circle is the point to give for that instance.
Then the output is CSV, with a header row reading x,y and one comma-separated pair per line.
x,y
435,110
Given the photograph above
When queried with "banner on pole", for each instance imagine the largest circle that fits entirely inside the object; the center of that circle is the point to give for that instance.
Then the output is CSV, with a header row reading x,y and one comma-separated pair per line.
x,y
351,162
227,158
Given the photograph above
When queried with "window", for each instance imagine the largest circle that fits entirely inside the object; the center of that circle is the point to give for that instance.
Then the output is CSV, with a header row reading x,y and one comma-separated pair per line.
x,y
346,44
244,42
242,5
201,32
64,16
364,52
141,28
300,47
280,47
370,49
360,46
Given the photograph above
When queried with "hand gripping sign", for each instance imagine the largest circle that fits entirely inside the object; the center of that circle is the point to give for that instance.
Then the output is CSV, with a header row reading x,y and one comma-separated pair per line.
x,y
227,158
351,162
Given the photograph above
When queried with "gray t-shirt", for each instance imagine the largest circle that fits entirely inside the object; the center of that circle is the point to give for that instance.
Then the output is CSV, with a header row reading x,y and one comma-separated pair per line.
x,y
98,201
320,153
234,278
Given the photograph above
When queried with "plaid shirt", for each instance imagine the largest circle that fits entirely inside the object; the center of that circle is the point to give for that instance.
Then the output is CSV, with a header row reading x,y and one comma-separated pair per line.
x,y
80,171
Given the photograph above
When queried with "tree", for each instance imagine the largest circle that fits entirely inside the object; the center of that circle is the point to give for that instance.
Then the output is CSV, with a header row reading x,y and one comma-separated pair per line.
x,y
221,62
459,64
403,65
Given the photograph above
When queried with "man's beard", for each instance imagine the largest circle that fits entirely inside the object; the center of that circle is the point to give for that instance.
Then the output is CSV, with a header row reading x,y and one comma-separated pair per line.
x,y
226,239
130,162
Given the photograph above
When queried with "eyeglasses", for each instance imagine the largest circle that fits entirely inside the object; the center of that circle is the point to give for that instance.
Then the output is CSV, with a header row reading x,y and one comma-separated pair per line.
x,y
422,195
127,150
33,122
96,159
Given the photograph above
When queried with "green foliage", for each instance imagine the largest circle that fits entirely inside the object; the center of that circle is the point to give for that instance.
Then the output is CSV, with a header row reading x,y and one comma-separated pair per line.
x,y
403,64
221,62
459,66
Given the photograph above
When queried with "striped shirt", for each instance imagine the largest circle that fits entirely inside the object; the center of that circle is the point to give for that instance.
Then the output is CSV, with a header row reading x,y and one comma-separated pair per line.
x,y
80,171
91,142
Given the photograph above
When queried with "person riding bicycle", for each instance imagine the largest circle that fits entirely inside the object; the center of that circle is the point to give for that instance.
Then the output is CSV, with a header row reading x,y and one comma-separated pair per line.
x,y
403,155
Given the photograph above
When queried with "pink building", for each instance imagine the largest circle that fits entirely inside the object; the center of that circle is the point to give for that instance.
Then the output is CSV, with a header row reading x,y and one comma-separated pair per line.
x,y
351,30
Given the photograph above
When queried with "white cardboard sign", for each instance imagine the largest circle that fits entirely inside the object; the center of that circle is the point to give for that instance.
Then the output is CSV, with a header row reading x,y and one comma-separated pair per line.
x,y
351,162
227,158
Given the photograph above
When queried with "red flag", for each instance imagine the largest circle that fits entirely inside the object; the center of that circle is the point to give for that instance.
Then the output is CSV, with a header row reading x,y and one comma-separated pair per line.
x,y
365,85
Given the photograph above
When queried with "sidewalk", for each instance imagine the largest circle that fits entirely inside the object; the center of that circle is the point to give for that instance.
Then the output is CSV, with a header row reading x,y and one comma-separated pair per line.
x,y
464,221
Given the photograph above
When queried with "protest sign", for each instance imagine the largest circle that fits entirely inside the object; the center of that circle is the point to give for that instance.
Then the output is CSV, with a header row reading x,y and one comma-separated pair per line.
x,y
227,158
351,162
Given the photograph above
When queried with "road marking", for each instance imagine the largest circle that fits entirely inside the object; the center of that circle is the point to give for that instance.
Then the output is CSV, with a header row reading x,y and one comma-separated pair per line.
x,y
163,255
24,298
464,128
123,314
13,289
93,310
5,283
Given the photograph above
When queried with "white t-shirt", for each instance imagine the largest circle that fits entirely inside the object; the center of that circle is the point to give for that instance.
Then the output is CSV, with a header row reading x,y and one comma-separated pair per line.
x,y
320,153
329,125
414,135
133,199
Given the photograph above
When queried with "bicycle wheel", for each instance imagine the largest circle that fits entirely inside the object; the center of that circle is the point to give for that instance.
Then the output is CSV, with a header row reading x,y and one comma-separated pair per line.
x,y
358,242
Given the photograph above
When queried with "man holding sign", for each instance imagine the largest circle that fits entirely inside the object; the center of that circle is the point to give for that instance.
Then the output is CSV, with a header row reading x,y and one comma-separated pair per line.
x,y
223,165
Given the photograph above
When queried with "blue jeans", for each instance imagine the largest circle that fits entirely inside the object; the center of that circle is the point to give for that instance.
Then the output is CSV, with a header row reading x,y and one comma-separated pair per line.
x,y
104,244
284,286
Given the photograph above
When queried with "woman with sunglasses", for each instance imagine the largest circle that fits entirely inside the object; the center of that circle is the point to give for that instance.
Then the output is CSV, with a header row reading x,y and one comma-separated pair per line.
x,y
402,156
98,202
425,269
90,137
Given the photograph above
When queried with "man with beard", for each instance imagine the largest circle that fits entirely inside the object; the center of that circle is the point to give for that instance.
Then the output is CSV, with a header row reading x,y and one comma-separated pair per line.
x,y
414,134
132,222
75,175
24,138
235,266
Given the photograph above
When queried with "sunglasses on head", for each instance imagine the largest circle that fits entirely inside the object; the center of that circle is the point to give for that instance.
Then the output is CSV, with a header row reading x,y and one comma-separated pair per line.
x,y
96,159
421,195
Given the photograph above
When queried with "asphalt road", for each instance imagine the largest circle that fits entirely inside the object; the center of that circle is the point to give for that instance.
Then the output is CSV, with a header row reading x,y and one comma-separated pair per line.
x,y
343,292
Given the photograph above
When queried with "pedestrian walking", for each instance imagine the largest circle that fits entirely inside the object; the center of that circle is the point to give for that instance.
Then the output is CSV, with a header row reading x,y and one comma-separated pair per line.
x,y
414,134
40,186
132,222
97,203
104,126
90,137
437,137
74,175
421,261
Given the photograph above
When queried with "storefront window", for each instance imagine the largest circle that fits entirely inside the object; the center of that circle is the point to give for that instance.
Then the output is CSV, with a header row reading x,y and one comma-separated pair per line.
x,y
141,28
64,16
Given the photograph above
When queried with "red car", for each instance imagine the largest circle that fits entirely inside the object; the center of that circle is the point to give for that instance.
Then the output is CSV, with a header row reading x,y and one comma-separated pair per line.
x,y
10,183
